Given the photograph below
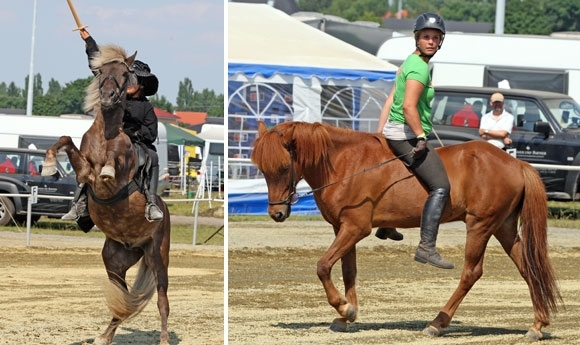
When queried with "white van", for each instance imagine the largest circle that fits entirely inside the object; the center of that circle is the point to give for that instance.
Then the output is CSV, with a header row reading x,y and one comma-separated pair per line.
x,y
489,59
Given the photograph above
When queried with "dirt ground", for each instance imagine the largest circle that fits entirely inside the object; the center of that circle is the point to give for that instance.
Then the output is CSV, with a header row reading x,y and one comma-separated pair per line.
x,y
51,292
275,296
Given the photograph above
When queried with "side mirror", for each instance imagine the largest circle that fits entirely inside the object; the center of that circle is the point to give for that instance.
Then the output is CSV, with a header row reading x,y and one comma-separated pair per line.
x,y
542,127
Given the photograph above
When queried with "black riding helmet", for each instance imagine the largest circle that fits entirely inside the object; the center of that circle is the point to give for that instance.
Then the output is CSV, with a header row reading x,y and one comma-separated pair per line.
x,y
147,79
430,20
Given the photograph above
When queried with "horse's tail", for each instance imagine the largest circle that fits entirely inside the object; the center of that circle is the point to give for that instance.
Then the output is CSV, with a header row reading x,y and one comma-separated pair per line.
x,y
537,268
125,304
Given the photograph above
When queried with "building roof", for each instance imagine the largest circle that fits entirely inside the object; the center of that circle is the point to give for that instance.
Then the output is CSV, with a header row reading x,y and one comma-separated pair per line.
x,y
164,115
191,118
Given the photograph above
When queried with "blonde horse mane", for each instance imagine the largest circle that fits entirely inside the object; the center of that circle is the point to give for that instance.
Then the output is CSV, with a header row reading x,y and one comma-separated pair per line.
x,y
106,54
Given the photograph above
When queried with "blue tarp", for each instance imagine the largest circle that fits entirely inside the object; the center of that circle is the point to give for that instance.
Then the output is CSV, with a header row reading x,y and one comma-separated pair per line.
x,y
306,72
257,204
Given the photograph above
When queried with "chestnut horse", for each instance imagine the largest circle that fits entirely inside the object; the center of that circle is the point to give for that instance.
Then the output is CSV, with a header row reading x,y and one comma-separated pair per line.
x,y
359,184
106,162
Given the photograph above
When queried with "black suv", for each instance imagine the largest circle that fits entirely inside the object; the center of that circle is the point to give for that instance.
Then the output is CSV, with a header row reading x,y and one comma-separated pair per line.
x,y
546,129
19,170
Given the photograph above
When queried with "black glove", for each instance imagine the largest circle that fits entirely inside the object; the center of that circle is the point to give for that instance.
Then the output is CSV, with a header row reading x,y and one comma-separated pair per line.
x,y
420,149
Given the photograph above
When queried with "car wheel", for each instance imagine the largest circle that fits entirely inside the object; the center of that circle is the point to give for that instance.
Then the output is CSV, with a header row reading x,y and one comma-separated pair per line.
x,y
6,211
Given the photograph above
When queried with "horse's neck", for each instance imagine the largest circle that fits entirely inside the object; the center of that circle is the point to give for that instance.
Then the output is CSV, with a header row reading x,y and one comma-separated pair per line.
x,y
112,121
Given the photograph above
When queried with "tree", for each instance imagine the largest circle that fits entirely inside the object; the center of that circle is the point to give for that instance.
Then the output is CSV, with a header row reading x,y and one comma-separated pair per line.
x,y
184,94
205,101
161,103
54,88
36,86
13,90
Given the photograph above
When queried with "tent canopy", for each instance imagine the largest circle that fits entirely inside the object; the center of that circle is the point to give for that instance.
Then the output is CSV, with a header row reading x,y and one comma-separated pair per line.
x,y
266,41
178,136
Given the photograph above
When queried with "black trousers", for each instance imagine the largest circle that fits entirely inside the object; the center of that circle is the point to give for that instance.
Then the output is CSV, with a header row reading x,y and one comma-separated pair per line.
x,y
429,169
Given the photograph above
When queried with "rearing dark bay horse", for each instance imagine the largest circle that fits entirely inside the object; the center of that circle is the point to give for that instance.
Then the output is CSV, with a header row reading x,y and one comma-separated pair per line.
x,y
106,162
490,191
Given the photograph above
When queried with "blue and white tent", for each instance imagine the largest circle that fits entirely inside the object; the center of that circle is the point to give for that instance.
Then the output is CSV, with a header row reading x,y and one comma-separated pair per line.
x,y
280,69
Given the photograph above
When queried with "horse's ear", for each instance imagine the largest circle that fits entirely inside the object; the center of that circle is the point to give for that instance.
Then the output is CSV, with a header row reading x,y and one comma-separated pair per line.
x,y
129,61
262,128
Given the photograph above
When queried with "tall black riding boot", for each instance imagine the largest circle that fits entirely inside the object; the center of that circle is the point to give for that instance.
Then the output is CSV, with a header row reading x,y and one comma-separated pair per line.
x,y
79,205
152,212
426,252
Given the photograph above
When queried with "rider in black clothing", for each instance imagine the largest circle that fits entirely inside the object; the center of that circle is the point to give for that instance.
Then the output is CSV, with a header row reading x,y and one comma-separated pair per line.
x,y
139,123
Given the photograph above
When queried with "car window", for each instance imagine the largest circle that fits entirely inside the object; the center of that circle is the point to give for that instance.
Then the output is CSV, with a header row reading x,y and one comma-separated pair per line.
x,y
34,164
461,111
526,114
11,163
566,112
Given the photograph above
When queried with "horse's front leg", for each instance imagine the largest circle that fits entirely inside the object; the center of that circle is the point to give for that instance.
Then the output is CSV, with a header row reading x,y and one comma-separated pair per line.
x,y
80,165
108,170
343,247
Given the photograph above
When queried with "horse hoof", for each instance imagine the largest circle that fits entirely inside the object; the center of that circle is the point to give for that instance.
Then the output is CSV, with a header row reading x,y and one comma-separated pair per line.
x,y
338,325
534,334
107,172
48,170
431,331
348,311
101,341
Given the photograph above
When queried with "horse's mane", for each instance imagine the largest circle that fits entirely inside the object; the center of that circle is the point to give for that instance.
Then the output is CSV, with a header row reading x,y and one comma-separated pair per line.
x,y
311,143
106,54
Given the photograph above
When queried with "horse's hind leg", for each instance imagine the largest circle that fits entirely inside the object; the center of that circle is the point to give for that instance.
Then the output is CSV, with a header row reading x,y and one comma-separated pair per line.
x,y
511,243
476,242
117,261
158,260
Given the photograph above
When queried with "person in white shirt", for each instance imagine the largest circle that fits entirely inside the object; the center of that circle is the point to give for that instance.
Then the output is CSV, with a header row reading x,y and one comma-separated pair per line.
x,y
496,126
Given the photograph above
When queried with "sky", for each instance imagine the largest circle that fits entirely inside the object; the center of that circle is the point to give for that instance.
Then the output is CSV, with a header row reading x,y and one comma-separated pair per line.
x,y
178,39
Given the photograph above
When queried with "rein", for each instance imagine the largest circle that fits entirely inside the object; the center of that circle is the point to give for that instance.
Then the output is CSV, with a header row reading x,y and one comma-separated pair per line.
x,y
293,196
353,175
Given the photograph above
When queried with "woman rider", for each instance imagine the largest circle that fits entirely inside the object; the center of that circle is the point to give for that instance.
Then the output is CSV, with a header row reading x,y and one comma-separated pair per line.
x,y
407,124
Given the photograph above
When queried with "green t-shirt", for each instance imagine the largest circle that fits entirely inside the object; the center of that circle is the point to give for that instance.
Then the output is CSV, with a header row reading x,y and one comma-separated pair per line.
x,y
416,69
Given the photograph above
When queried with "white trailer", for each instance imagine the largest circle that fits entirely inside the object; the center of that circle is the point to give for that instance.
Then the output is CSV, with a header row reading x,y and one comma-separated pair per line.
x,y
43,131
525,61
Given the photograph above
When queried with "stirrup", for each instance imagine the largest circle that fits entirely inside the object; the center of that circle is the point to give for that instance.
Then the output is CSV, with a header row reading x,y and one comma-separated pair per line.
x,y
153,213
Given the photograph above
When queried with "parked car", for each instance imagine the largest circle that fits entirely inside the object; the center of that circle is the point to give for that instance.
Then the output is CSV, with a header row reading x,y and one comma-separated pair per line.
x,y
546,129
20,170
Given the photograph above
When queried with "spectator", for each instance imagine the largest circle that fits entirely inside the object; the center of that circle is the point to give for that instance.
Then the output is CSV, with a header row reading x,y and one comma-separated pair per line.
x,y
496,126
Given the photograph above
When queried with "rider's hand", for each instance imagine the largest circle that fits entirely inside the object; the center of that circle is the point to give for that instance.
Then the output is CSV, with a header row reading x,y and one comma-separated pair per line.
x,y
84,33
420,149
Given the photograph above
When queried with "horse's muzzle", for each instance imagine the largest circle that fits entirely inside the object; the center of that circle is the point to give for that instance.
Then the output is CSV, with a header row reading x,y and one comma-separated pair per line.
x,y
279,213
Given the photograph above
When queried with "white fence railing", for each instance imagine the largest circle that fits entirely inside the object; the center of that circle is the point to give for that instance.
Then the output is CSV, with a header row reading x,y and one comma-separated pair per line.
x,y
33,195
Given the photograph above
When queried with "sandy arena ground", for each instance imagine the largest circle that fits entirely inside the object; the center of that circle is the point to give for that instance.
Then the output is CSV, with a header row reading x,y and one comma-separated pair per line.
x,y
52,293
275,296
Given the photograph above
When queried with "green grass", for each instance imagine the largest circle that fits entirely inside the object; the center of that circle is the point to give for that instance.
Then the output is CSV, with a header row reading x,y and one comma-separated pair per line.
x,y
180,233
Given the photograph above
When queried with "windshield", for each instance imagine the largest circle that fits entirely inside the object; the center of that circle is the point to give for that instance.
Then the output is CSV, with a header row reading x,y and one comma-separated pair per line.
x,y
566,112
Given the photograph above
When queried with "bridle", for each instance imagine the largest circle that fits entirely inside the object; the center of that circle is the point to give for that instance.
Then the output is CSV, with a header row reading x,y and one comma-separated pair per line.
x,y
292,197
120,90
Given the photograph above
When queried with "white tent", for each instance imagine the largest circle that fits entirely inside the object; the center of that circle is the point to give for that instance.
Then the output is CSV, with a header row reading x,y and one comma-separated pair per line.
x,y
280,69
